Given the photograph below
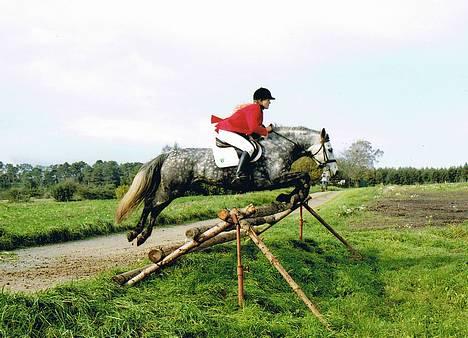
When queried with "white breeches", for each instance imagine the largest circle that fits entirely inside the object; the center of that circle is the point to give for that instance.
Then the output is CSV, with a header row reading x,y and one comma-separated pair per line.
x,y
235,140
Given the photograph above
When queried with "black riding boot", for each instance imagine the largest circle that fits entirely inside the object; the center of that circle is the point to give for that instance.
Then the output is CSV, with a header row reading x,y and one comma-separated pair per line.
x,y
241,176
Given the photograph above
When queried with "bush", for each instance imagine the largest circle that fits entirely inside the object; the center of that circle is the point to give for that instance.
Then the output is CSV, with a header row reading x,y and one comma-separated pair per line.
x,y
17,195
105,192
120,191
63,192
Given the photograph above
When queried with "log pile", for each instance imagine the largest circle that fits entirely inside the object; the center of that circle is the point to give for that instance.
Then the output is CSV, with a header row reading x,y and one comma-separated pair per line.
x,y
235,223
204,237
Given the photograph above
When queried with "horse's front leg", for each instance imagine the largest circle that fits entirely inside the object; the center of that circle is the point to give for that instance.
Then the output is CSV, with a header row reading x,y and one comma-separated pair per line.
x,y
300,181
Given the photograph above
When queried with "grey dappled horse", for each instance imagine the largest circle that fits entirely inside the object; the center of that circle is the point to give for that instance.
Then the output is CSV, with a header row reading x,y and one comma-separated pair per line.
x,y
170,175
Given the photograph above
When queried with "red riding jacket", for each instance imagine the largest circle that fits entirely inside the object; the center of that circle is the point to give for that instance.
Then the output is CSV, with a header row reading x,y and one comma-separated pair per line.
x,y
246,120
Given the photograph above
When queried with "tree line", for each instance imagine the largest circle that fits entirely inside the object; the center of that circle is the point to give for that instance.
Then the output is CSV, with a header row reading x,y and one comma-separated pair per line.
x,y
97,181
357,168
406,175
108,179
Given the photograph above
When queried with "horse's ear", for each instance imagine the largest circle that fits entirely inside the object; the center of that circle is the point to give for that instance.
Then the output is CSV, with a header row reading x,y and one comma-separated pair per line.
x,y
327,137
323,133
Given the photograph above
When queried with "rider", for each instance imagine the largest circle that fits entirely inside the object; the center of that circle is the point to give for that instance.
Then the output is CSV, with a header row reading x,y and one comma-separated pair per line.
x,y
244,124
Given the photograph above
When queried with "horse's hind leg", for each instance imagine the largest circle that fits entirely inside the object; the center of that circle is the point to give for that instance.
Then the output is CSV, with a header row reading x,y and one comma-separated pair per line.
x,y
149,228
132,234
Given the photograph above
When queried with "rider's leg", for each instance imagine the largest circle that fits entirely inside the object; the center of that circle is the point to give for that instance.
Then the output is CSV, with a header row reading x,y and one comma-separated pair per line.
x,y
241,143
240,173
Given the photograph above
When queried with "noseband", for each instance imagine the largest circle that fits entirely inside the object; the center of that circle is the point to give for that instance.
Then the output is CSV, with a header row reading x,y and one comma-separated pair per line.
x,y
325,156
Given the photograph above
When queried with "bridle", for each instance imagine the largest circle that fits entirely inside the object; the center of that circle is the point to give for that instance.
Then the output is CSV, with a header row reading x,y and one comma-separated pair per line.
x,y
306,152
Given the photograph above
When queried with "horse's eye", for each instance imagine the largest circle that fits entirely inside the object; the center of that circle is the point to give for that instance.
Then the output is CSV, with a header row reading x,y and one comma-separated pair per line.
x,y
330,150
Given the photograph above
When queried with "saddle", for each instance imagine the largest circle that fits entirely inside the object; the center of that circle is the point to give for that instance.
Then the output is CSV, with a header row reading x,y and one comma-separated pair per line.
x,y
226,155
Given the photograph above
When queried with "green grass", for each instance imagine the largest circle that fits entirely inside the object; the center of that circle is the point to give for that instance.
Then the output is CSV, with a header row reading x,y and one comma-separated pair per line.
x,y
41,222
411,283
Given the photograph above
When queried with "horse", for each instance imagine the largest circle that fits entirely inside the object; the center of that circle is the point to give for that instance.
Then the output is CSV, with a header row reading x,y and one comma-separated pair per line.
x,y
170,175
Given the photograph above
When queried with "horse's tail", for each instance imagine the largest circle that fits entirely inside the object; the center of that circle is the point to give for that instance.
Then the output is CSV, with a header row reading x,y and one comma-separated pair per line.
x,y
144,185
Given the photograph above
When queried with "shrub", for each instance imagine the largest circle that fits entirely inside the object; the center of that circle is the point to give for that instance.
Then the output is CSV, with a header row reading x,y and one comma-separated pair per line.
x,y
17,195
63,192
105,192
120,191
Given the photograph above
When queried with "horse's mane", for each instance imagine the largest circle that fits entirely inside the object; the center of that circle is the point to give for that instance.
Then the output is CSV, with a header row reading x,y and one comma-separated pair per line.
x,y
302,135
293,130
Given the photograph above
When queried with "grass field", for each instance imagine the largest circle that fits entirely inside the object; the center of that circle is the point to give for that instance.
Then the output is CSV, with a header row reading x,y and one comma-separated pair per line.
x,y
411,283
41,222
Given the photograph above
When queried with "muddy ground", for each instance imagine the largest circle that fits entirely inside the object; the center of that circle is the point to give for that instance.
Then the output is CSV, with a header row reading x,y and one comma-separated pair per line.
x,y
39,268
420,209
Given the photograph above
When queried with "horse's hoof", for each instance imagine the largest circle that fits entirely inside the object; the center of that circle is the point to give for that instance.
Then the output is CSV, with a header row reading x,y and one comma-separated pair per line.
x,y
141,240
131,235
144,236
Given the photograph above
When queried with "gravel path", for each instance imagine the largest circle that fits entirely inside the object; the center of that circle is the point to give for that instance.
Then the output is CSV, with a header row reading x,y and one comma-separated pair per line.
x,y
39,268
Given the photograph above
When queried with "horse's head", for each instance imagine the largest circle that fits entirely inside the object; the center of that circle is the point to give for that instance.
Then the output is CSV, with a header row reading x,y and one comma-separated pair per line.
x,y
309,142
322,153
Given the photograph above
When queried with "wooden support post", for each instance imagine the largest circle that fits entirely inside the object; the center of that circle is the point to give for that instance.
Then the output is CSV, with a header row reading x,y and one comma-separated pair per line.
x,y
240,268
296,288
301,223
336,234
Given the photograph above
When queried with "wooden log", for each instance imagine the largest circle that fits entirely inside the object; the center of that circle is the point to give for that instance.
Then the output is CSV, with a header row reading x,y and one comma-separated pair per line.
x,y
158,253
270,219
296,288
124,277
194,232
242,212
224,215
179,252
260,211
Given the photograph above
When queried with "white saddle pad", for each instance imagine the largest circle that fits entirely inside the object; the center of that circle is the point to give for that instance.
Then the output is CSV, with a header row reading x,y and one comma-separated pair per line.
x,y
227,157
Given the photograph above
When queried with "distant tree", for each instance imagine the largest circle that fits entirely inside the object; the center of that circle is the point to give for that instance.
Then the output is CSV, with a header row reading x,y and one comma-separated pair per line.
x,y
167,148
32,179
111,173
128,172
358,159
12,173
77,171
50,176
97,174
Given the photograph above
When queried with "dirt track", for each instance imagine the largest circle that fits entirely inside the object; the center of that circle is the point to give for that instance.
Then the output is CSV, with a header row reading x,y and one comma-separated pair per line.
x,y
42,267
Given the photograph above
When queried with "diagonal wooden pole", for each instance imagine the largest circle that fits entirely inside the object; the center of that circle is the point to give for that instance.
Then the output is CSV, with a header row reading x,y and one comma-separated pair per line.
x,y
296,288
355,253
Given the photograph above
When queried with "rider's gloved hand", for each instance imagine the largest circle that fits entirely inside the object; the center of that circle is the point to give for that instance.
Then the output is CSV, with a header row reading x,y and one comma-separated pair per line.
x,y
269,128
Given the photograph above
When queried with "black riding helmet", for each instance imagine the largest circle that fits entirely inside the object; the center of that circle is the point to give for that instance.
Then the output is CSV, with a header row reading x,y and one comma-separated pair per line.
x,y
262,94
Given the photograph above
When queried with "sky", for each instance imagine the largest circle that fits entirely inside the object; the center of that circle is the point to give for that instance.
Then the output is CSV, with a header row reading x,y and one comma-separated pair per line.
x,y
119,80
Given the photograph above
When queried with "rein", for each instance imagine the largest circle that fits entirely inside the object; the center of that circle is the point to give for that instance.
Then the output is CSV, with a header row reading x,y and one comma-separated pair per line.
x,y
288,139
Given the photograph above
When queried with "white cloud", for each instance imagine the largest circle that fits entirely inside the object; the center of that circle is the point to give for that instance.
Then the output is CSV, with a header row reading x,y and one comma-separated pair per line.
x,y
156,132
145,72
